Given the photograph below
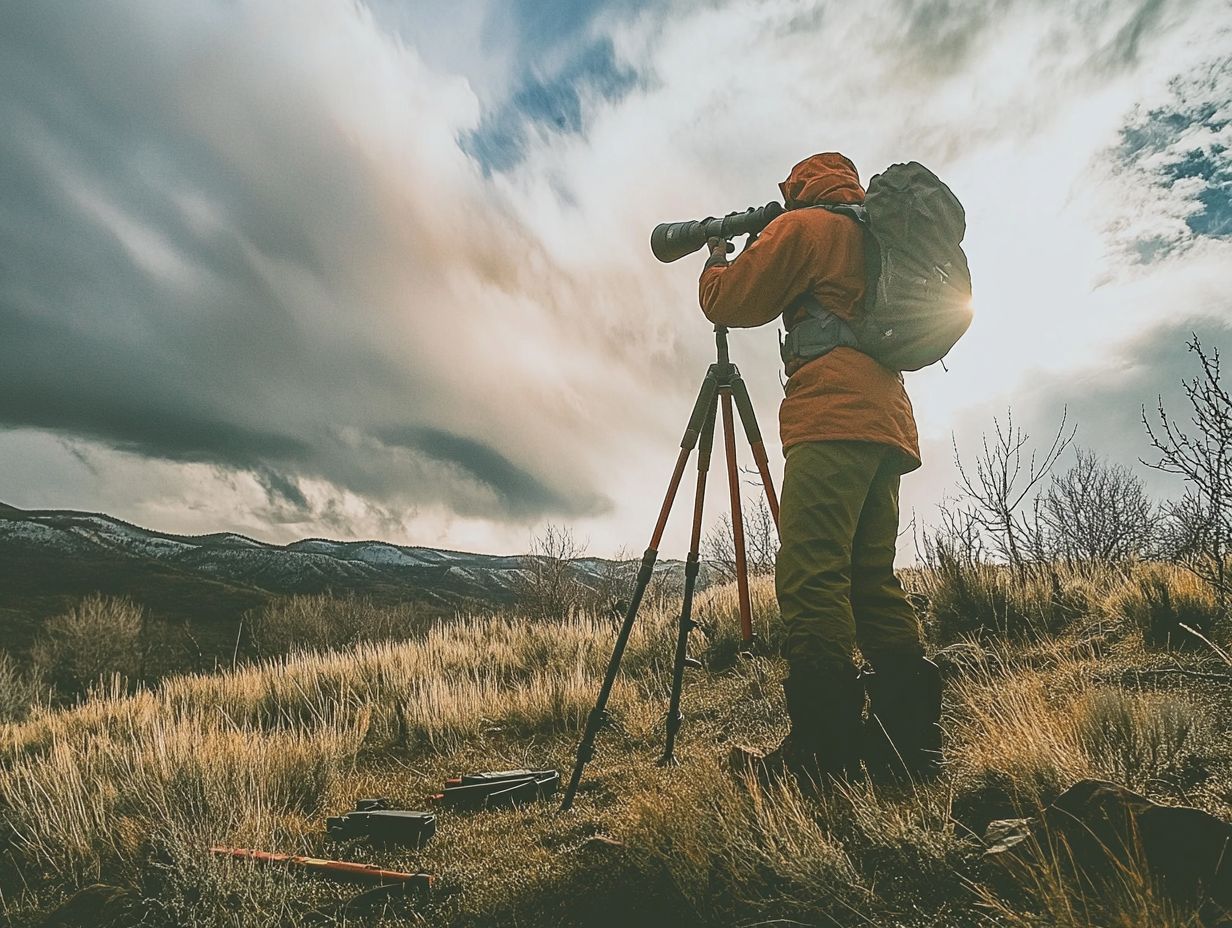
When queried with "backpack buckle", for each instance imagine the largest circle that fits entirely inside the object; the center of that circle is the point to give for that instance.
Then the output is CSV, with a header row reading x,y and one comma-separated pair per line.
x,y
789,346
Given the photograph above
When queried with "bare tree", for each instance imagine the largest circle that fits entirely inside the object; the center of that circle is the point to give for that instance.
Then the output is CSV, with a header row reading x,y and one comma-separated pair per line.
x,y
1184,530
1204,460
1006,476
761,542
547,587
665,589
955,540
1097,512
612,583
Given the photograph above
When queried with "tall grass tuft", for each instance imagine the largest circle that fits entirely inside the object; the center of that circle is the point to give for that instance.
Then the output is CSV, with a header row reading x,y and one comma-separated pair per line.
x,y
1140,738
1163,600
731,848
1043,731
1046,886
967,598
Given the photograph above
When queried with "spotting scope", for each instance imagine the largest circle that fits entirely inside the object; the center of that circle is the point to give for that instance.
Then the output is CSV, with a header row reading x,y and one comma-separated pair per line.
x,y
671,241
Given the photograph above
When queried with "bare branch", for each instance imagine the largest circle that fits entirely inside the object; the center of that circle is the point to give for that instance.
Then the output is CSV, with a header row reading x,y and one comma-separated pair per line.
x,y
1199,526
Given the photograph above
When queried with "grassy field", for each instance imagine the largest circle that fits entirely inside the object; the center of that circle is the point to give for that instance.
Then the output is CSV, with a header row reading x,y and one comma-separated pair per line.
x,y
1046,684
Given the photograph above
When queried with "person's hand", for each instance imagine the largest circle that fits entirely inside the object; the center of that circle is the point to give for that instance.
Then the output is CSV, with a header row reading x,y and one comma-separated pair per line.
x,y
719,250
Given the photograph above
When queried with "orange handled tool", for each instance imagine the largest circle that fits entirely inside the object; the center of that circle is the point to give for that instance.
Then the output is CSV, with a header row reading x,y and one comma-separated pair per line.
x,y
333,869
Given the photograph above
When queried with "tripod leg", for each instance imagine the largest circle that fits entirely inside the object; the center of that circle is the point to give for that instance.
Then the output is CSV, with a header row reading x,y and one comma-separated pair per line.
x,y
745,406
674,717
586,748
737,518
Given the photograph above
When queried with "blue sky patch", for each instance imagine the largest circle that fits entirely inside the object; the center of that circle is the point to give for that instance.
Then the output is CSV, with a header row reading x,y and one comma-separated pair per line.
x,y
554,103
1182,147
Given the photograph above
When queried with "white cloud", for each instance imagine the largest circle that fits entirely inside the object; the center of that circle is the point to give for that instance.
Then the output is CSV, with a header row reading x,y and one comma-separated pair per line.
x,y
523,312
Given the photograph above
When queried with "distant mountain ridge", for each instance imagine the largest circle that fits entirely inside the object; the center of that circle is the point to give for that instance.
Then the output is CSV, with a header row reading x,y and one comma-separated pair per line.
x,y
438,577
201,589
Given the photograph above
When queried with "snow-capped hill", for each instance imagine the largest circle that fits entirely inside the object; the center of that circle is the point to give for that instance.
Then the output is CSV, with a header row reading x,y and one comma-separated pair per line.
x,y
376,553
40,537
229,540
43,542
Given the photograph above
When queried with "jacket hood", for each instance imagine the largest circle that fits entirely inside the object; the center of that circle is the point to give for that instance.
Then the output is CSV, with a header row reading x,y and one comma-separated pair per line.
x,y
825,178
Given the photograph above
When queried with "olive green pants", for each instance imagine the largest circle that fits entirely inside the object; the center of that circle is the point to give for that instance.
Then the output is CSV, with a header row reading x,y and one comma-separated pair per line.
x,y
835,570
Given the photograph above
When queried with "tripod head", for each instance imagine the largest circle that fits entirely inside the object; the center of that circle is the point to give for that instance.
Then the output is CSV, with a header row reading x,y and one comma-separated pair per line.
x,y
720,341
724,370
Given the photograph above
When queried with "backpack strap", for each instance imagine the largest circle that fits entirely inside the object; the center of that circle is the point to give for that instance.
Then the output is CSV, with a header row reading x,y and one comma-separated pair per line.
x,y
820,331
856,211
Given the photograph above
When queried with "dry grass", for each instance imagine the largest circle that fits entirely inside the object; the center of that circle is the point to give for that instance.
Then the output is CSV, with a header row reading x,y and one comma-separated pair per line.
x,y
1165,603
291,624
129,788
716,841
20,690
988,599
235,748
1124,896
1043,727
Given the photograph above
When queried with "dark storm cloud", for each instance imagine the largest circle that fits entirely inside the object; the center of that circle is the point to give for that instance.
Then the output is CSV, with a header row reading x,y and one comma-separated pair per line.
x,y
185,272
939,37
1107,403
519,491
283,490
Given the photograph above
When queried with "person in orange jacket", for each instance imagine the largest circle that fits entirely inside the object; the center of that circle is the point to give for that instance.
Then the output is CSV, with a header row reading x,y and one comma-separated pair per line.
x,y
848,433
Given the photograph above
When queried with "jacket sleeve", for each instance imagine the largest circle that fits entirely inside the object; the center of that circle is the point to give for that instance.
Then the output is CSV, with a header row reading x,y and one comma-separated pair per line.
x,y
764,279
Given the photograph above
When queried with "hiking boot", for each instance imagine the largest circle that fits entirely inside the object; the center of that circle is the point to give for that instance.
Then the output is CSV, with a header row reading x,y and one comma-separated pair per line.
x,y
824,708
903,731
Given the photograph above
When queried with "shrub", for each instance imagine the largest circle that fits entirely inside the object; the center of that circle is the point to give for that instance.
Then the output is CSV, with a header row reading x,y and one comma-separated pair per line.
x,y
99,637
1135,738
1200,455
322,622
717,611
547,587
19,690
1098,513
970,598
1159,599
761,542
740,851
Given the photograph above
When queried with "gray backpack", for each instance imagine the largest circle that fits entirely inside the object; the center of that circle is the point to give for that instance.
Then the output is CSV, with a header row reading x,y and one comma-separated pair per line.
x,y
918,298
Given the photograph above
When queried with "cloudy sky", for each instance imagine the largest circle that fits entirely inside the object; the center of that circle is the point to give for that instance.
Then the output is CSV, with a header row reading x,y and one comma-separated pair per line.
x,y
380,269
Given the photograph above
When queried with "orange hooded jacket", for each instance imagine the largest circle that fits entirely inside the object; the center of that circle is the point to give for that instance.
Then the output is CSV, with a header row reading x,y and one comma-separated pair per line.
x,y
844,395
